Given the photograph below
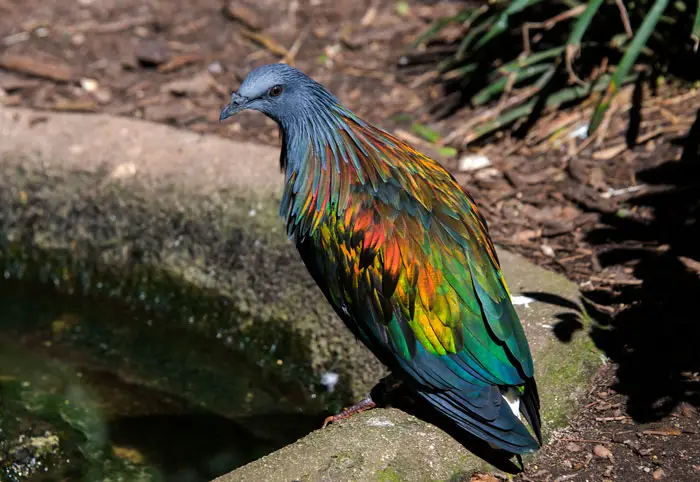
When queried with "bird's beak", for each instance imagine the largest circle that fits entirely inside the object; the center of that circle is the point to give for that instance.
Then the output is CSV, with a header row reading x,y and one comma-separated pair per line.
x,y
237,104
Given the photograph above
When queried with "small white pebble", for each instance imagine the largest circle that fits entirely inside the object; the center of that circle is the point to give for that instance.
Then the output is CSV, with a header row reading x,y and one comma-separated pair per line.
x,y
547,250
78,39
215,68
89,85
42,32
473,162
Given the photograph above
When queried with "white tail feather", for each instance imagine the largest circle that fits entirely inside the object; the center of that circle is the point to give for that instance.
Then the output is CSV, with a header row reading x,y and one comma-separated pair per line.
x,y
512,398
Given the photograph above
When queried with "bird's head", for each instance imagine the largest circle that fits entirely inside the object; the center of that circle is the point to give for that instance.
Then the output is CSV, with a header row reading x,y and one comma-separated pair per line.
x,y
277,90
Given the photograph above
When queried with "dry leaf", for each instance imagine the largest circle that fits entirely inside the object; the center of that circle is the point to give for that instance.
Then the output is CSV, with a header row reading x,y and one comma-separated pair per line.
x,y
658,474
483,478
609,153
603,452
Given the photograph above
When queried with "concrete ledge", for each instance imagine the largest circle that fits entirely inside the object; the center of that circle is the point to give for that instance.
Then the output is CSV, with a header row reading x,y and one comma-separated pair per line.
x,y
202,210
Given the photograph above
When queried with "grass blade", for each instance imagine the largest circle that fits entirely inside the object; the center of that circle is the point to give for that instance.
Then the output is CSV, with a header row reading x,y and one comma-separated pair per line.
x,y
425,132
561,97
573,44
459,72
500,25
531,59
473,32
695,35
582,23
485,94
628,59
437,26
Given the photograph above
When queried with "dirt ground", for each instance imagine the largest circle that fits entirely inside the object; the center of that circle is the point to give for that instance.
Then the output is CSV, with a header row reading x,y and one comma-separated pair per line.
x,y
617,214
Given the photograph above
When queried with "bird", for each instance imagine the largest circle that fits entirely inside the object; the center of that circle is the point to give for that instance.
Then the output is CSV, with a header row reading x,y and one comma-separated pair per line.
x,y
404,256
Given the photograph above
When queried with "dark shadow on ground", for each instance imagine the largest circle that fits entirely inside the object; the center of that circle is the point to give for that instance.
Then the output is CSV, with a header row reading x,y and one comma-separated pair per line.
x,y
654,337
651,327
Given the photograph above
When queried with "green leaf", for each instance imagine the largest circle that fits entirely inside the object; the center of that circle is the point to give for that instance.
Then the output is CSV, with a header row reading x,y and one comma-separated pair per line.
x,y
531,59
501,24
426,132
401,117
582,23
695,35
447,151
460,71
628,59
402,8
473,31
554,100
440,24
485,94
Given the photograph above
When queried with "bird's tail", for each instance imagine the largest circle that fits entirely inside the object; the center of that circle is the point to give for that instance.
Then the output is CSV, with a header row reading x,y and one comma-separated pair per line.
x,y
530,408
490,418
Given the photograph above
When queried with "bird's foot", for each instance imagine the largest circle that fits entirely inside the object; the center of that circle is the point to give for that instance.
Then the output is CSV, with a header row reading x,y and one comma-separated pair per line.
x,y
366,404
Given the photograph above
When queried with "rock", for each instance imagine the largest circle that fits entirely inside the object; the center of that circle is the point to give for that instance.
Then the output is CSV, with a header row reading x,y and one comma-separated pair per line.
x,y
196,85
103,95
393,446
152,53
185,202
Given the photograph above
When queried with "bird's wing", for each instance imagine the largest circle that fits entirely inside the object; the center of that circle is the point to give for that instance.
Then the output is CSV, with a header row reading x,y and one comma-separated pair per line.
x,y
415,281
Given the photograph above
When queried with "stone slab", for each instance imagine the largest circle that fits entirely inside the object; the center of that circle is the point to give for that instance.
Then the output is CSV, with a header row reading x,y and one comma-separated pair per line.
x,y
166,167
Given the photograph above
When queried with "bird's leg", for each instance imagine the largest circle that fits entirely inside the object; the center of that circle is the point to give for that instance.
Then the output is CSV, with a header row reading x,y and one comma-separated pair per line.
x,y
366,404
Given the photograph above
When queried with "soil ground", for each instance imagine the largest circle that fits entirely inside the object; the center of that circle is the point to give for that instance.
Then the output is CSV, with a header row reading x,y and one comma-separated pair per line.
x,y
618,214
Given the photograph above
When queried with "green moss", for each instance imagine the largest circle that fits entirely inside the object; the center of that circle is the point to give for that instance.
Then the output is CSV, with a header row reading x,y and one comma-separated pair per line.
x,y
199,297
567,368
218,267
389,475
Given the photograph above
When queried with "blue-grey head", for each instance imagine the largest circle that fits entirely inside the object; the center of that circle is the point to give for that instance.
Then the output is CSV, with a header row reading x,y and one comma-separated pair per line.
x,y
281,92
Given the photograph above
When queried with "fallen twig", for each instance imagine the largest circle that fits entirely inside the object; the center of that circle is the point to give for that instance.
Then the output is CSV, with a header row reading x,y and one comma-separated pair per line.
x,y
548,24
294,49
266,42
625,18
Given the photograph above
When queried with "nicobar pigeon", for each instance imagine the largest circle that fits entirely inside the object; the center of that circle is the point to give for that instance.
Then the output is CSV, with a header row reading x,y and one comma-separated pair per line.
x,y
403,255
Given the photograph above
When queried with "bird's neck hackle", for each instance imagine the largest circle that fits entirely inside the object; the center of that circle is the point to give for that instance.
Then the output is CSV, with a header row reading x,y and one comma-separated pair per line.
x,y
326,150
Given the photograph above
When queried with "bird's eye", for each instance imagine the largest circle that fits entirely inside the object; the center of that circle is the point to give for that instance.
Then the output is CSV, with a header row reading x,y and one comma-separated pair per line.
x,y
275,91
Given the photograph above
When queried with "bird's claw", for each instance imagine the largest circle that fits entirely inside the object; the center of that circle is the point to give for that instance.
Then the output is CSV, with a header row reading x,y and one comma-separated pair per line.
x,y
366,404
